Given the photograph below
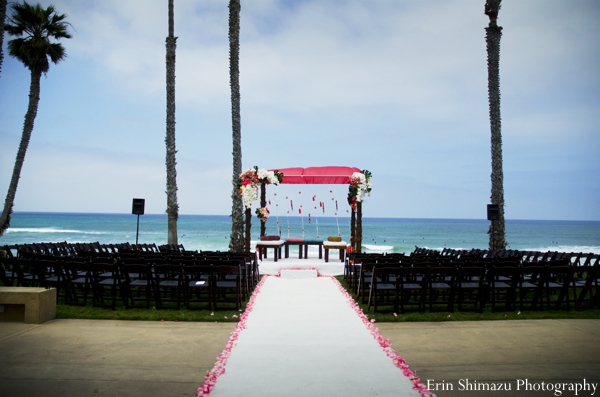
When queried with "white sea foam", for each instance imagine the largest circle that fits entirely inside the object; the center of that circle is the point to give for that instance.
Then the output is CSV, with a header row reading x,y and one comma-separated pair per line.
x,y
565,248
48,230
377,248
586,249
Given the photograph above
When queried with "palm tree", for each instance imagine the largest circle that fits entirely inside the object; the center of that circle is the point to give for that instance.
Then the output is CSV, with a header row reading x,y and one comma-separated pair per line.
x,y
33,27
2,19
236,242
493,35
172,206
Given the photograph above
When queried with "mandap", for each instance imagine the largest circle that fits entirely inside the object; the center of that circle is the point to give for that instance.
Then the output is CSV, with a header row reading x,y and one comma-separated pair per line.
x,y
358,181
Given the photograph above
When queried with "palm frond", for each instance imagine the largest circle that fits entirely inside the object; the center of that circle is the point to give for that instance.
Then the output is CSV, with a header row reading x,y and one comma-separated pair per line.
x,y
32,27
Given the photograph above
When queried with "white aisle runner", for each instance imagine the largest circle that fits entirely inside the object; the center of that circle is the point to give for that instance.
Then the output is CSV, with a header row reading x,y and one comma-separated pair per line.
x,y
303,338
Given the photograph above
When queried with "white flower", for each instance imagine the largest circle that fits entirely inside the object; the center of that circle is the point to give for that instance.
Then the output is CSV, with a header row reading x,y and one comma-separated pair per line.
x,y
249,194
262,174
273,179
362,185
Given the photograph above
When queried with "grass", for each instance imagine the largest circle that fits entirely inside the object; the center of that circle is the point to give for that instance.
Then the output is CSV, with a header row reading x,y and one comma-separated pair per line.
x,y
226,315
96,313
202,314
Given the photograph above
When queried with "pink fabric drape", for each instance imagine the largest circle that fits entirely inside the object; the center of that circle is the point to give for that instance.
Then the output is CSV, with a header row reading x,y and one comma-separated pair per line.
x,y
317,175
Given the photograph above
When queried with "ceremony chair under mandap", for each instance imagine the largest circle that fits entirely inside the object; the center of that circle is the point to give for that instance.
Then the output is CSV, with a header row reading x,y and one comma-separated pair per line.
x,y
199,281
227,286
384,289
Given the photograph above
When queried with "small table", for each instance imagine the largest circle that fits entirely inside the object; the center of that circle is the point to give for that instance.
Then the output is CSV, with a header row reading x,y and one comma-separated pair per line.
x,y
264,245
335,245
294,241
319,243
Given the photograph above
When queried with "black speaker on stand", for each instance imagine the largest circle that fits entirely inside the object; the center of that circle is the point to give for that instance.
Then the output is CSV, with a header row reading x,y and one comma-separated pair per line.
x,y
493,214
137,208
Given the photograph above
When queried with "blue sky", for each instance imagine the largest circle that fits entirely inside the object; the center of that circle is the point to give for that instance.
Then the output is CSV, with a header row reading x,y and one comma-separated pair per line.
x,y
395,87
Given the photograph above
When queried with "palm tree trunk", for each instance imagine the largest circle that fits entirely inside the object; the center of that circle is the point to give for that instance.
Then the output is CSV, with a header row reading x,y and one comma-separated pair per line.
x,y
172,206
2,19
237,210
493,34
34,99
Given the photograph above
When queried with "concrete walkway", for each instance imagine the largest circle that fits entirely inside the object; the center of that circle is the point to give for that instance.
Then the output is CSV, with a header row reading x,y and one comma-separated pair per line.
x,y
108,358
457,355
127,358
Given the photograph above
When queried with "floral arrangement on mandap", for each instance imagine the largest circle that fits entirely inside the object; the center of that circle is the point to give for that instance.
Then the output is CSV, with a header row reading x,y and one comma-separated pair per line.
x,y
262,213
360,184
252,178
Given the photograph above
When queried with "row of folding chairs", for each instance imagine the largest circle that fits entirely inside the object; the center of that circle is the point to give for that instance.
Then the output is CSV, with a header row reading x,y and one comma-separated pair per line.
x,y
77,249
94,248
475,255
166,282
471,287
123,252
429,258
524,286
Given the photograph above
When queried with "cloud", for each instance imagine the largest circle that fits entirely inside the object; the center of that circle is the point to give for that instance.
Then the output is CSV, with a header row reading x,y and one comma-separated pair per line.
x,y
397,87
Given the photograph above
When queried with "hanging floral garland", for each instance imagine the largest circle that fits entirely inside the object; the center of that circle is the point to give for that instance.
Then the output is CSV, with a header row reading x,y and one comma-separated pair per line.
x,y
360,184
262,213
251,179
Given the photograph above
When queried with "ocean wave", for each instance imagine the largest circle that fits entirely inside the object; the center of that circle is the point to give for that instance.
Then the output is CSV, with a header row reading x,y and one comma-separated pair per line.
x,y
586,249
370,247
49,230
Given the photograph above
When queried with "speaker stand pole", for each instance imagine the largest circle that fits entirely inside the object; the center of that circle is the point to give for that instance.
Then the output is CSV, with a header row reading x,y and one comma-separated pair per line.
x,y
137,232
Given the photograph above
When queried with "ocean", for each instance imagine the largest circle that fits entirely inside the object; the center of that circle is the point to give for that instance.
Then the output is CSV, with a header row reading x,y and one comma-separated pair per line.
x,y
211,232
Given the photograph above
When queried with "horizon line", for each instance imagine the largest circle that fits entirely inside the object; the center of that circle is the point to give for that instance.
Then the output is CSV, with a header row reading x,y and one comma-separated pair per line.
x,y
297,216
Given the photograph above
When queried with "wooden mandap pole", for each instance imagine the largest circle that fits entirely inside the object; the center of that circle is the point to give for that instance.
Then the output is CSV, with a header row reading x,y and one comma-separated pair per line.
x,y
358,227
263,204
248,228
353,229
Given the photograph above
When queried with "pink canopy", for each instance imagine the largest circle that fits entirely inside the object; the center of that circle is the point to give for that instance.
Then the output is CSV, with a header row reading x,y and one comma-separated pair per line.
x,y
317,175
